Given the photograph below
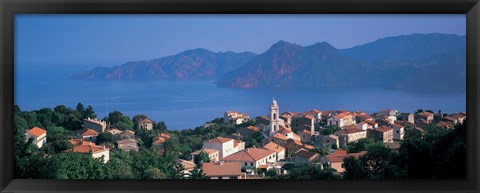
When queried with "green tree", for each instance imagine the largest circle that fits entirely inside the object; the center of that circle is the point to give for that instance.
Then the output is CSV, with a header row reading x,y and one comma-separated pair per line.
x,y
330,130
118,120
154,173
80,110
360,145
197,174
202,158
89,112
119,169
105,137
354,169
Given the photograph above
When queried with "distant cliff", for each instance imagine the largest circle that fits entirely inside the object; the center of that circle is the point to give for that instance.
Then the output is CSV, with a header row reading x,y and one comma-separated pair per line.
x,y
191,64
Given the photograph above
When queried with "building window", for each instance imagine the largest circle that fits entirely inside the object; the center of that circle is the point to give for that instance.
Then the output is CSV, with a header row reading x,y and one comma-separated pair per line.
x,y
251,164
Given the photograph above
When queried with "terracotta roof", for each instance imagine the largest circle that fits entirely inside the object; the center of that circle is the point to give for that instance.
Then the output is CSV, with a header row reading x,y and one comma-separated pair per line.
x,y
222,169
274,147
308,116
284,130
425,114
128,132
397,125
127,141
236,142
249,154
76,142
210,151
87,132
186,164
383,129
253,128
349,131
158,140
296,141
306,154
363,122
309,147
340,152
85,148
220,140
351,127
341,115
337,158
280,136
36,131
164,135
371,122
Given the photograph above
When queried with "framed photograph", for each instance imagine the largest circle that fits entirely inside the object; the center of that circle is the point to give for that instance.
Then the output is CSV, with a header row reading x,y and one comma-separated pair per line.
x,y
222,96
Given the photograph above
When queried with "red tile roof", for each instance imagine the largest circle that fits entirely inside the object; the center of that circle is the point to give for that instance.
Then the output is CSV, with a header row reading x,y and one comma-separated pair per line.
x,y
340,152
87,132
222,169
220,140
76,142
280,136
383,129
249,154
87,147
308,116
306,154
341,115
274,147
158,140
36,131
425,114
397,125
164,135
253,128
127,141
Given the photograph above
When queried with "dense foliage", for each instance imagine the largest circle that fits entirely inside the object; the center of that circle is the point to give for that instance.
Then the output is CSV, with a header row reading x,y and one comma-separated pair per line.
x,y
439,153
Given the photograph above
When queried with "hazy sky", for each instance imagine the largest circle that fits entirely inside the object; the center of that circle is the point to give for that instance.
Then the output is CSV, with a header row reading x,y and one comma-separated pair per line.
x,y
85,41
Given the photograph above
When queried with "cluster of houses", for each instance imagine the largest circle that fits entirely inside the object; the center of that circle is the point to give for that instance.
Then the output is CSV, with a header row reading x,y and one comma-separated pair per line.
x,y
291,137
86,138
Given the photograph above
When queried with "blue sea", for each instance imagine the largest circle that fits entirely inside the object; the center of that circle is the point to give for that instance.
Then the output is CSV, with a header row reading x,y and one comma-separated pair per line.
x,y
187,104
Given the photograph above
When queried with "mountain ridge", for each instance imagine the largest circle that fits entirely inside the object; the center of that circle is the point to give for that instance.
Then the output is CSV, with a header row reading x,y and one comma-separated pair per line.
x,y
317,65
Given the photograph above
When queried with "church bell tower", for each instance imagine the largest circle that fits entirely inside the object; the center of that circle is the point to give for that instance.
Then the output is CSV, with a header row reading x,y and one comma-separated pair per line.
x,y
274,116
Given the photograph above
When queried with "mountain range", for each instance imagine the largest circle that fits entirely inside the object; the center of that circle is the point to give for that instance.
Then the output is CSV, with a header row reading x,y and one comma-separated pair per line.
x,y
187,65
434,62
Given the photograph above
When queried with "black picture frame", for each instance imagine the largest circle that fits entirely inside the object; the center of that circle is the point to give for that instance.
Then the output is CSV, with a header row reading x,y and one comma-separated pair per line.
x,y
8,9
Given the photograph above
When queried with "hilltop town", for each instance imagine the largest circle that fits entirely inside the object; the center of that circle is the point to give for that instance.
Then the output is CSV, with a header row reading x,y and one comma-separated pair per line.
x,y
275,146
